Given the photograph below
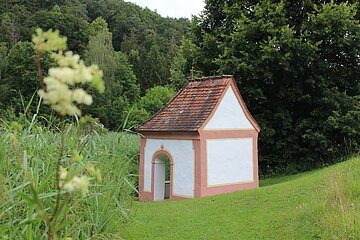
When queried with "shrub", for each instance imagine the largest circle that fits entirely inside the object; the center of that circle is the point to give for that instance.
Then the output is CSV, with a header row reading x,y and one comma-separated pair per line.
x,y
154,99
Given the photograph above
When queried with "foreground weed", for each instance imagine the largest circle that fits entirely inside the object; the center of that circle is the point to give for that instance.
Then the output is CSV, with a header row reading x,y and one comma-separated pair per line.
x,y
341,211
62,90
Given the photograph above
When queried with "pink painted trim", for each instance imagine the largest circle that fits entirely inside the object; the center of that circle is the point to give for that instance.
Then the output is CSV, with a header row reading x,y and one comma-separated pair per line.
x,y
227,134
214,109
230,188
256,161
203,167
197,159
174,197
171,135
156,154
144,196
236,90
199,144
201,189
214,134
243,105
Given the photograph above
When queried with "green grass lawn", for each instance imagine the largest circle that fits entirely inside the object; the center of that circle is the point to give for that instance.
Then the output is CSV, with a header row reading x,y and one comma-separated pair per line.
x,y
323,204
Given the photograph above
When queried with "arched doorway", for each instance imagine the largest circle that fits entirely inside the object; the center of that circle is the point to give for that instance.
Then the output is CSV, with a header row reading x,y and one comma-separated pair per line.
x,y
162,175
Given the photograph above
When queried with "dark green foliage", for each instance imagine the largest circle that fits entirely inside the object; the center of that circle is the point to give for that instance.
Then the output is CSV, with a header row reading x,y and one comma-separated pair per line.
x,y
20,79
182,68
149,40
154,99
3,58
68,16
297,66
11,25
134,47
70,20
122,89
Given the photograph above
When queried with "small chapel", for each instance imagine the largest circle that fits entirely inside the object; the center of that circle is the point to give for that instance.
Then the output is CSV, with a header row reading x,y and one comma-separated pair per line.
x,y
203,142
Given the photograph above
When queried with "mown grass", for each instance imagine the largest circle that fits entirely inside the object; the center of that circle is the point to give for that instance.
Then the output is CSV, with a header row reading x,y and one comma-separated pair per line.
x,y
323,204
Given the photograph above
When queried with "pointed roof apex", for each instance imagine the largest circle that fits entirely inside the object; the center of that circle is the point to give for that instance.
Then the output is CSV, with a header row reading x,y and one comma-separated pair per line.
x,y
191,106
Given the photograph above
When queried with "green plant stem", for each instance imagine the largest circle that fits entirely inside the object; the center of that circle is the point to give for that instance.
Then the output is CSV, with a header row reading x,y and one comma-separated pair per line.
x,y
51,232
37,201
38,65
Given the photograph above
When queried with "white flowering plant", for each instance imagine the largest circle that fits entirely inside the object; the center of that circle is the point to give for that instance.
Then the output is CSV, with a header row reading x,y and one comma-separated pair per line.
x,y
62,90
65,89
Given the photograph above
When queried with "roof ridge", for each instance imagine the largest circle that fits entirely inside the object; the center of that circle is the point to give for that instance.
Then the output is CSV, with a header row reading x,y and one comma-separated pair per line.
x,y
178,115
210,78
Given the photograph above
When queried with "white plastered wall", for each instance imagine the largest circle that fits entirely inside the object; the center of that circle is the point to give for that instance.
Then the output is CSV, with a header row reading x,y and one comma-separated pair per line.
x,y
229,114
229,161
183,156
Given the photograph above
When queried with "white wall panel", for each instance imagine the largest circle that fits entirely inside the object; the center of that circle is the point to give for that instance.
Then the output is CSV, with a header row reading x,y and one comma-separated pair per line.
x,y
184,164
229,114
229,161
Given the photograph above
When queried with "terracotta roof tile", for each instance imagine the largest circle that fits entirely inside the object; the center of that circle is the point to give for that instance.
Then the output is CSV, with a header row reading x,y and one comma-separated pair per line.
x,y
189,109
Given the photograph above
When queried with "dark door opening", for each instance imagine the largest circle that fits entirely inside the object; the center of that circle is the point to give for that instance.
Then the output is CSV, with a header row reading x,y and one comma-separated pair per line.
x,y
162,178
167,177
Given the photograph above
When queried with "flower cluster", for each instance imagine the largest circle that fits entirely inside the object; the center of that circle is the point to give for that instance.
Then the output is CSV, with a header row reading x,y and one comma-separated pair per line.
x,y
48,41
62,83
76,183
94,171
64,90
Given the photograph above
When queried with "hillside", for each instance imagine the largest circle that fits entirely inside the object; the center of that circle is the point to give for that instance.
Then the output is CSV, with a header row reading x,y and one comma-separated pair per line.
x,y
135,47
321,204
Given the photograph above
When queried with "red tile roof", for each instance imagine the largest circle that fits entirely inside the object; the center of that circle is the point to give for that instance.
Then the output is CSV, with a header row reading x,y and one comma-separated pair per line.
x,y
190,108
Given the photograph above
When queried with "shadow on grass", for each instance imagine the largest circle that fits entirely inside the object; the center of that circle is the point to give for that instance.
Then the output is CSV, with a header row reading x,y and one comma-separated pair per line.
x,y
268,181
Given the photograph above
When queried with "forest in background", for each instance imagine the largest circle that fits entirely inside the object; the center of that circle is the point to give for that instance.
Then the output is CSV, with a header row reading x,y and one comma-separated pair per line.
x,y
297,65
134,47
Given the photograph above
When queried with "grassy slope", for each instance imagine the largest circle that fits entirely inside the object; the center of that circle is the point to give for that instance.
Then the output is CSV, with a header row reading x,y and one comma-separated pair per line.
x,y
304,206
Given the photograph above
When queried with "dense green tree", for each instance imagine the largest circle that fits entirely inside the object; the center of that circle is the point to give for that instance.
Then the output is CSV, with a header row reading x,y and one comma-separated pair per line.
x,y
97,26
134,30
121,83
20,75
188,56
3,64
297,66
12,24
149,57
3,58
144,46
70,21
149,40
20,18
177,71
154,99
100,49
